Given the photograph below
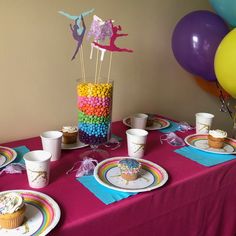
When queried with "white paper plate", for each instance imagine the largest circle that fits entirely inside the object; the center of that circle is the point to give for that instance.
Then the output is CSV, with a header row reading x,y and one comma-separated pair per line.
x,y
200,141
152,176
41,216
159,123
72,146
7,155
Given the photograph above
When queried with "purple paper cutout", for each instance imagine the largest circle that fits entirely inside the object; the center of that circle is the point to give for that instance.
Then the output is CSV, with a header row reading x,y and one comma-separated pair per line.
x,y
112,47
78,37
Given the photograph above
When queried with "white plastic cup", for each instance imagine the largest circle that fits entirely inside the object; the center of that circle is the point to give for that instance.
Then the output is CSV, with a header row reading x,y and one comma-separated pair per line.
x,y
203,122
51,142
38,168
136,141
139,121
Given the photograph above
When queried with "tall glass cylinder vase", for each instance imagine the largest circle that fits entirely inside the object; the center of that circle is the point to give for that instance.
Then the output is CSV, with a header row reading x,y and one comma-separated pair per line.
x,y
95,116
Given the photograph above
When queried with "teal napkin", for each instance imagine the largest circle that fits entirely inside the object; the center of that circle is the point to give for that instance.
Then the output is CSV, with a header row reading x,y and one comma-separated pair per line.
x,y
204,158
20,153
106,195
172,128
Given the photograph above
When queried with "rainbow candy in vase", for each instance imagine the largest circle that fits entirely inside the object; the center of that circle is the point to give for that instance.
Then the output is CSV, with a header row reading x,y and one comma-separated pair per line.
x,y
95,108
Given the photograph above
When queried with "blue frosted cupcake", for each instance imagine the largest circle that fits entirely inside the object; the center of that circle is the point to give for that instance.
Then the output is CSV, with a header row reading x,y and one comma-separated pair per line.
x,y
129,168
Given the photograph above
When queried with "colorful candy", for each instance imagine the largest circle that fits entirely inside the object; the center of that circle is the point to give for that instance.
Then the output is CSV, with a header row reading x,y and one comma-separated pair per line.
x,y
95,106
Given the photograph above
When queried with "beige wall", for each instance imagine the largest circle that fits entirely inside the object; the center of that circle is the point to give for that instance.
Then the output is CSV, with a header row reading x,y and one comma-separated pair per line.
x,y
38,80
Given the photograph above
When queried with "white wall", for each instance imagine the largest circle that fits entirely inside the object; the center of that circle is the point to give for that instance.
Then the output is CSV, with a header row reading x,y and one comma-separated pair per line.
x,y
38,80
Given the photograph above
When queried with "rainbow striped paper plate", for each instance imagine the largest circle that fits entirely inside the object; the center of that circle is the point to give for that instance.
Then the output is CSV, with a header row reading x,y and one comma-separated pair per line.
x,y
42,214
159,123
151,176
7,155
200,141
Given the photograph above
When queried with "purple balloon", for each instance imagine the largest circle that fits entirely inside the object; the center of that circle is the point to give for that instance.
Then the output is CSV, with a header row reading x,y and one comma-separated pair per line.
x,y
195,40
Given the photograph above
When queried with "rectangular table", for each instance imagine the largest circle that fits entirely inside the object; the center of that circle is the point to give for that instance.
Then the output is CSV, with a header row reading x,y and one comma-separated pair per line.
x,y
196,200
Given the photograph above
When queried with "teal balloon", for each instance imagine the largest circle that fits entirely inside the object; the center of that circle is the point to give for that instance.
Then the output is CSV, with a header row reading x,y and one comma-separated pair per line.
x,y
226,9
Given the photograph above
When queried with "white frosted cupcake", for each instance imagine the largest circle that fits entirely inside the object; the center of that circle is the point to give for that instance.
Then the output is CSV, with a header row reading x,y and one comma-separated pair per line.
x,y
12,210
216,138
69,134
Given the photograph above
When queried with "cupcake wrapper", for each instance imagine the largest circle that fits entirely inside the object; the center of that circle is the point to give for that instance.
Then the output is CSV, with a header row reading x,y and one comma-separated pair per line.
x,y
129,176
14,220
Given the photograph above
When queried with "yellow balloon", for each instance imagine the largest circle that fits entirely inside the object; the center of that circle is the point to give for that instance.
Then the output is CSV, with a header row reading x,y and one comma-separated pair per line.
x,y
225,63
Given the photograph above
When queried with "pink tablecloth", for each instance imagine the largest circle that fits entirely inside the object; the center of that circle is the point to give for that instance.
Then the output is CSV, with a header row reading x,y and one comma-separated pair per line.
x,y
196,201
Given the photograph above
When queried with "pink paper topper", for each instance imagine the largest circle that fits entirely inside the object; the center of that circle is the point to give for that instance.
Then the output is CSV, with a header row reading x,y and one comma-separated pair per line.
x,y
112,47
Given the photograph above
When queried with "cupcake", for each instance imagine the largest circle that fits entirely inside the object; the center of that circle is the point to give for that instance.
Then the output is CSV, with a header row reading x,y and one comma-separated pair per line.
x,y
69,134
216,138
129,168
12,210
150,120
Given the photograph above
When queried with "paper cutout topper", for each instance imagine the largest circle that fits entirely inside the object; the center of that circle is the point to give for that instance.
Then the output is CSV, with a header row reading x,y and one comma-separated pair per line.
x,y
78,29
76,36
112,47
100,29
78,18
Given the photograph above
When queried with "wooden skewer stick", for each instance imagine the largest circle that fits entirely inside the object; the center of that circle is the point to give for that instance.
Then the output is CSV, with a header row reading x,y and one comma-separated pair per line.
x,y
83,65
99,71
109,68
96,68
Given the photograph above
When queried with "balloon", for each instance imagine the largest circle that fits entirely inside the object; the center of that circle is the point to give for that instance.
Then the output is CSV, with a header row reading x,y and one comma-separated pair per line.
x,y
211,87
195,40
225,63
226,9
